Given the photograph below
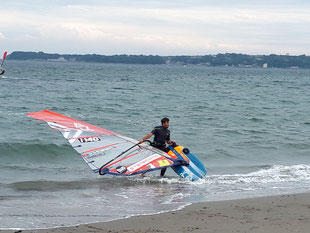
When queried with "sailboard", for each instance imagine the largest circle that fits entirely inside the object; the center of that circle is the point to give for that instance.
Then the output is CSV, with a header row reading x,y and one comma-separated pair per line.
x,y
2,62
106,152
194,168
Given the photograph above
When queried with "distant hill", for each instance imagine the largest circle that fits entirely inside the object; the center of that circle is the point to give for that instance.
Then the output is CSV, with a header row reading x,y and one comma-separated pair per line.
x,y
128,59
227,59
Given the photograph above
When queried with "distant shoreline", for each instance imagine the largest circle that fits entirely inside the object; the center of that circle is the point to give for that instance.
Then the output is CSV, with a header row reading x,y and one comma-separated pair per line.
x,y
227,59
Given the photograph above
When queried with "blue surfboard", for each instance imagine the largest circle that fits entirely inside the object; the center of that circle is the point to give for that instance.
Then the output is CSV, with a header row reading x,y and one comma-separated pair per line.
x,y
194,171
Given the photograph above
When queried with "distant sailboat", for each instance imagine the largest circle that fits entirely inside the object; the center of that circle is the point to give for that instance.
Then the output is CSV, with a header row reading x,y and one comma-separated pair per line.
x,y
1,69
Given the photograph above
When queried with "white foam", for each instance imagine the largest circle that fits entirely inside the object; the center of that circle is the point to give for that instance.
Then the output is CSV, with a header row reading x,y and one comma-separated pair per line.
x,y
274,174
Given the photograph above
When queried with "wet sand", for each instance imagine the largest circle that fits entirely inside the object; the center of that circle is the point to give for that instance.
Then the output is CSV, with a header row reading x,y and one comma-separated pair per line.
x,y
276,214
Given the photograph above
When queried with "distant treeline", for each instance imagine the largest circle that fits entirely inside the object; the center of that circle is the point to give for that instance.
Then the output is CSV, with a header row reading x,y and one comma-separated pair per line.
x,y
227,59
127,59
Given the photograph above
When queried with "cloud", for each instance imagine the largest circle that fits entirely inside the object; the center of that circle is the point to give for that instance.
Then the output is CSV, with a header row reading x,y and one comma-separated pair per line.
x,y
158,27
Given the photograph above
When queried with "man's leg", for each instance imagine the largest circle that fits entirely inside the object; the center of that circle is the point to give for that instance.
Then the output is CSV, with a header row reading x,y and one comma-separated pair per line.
x,y
163,171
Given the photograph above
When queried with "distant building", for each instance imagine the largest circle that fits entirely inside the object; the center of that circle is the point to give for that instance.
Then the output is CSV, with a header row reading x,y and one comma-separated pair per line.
x,y
265,65
60,59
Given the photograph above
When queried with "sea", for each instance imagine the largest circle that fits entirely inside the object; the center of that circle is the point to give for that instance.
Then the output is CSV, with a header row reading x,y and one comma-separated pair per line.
x,y
249,126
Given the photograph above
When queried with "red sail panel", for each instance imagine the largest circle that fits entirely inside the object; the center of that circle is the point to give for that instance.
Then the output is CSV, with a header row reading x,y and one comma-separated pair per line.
x,y
50,116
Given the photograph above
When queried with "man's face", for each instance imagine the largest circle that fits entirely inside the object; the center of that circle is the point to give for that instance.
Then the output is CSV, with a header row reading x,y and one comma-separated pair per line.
x,y
166,124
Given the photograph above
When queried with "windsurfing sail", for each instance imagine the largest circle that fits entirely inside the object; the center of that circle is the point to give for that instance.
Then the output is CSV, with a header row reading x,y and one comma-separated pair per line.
x,y
104,151
4,56
2,70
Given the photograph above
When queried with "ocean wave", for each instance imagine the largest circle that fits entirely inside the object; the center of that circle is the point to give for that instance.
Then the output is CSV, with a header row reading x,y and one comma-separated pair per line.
x,y
265,174
34,151
48,185
102,183
255,119
272,174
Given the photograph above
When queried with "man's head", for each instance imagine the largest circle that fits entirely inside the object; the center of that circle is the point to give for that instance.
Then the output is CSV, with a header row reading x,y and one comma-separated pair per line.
x,y
165,122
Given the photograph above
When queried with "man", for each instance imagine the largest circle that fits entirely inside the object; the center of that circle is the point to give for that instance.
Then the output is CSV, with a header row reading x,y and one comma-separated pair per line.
x,y
161,137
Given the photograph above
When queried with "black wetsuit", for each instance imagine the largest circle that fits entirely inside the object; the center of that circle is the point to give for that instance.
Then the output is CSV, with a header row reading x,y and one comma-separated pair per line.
x,y
161,136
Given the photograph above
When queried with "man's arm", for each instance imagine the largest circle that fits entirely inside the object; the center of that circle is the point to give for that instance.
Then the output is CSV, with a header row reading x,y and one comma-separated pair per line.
x,y
170,142
146,137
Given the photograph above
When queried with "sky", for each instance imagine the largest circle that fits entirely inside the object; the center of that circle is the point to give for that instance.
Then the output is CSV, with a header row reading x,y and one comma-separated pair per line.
x,y
161,27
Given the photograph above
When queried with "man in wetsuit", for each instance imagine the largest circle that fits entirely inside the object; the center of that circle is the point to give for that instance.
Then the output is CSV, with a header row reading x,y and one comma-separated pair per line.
x,y
161,137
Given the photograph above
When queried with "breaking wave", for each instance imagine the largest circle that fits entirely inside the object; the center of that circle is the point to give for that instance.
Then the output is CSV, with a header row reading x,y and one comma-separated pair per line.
x,y
273,174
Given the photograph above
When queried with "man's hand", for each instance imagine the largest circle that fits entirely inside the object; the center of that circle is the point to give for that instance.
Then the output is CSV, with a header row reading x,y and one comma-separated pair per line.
x,y
146,137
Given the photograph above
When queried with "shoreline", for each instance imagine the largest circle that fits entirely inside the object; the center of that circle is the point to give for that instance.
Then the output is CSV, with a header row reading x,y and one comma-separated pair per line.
x,y
283,213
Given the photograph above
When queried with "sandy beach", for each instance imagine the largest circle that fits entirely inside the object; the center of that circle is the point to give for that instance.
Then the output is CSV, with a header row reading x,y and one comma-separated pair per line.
x,y
283,214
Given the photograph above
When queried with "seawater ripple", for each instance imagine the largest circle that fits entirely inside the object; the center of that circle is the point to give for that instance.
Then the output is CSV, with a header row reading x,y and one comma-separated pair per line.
x,y
249,126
